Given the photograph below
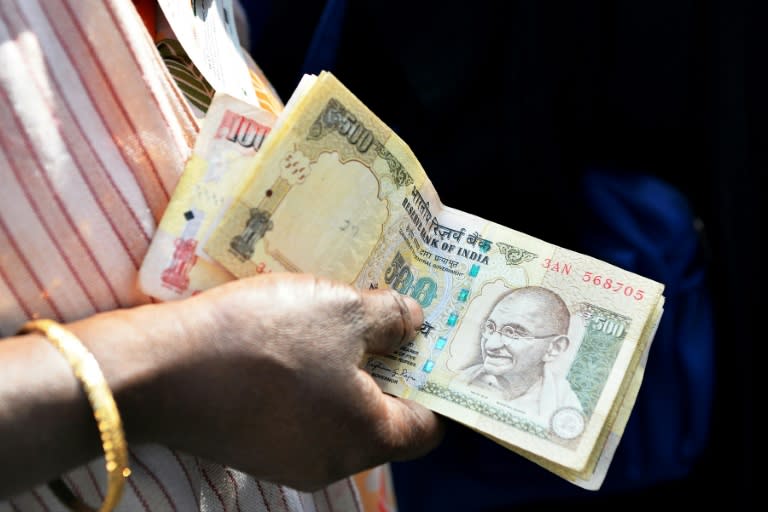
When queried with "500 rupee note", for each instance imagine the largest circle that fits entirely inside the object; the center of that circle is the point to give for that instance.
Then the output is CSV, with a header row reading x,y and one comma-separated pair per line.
x,y
533,345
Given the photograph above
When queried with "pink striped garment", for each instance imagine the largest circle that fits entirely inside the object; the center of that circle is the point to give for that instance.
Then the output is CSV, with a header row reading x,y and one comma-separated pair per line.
x,y
93,135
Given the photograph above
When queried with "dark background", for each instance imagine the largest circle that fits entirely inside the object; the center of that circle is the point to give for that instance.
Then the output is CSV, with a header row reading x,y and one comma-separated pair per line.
x,y
539,92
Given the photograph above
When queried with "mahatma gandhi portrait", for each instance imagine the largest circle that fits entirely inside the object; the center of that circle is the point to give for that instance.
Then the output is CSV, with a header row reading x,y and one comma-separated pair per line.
x,y
525,330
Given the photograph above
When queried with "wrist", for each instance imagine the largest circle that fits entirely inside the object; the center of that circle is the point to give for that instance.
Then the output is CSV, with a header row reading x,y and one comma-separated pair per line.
x,y
138,349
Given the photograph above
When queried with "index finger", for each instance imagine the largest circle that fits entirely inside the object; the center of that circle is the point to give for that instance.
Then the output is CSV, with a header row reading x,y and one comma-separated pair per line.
x,y
393,319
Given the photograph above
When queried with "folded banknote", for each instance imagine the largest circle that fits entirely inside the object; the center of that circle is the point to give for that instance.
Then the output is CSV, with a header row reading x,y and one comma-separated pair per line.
x,y
539,348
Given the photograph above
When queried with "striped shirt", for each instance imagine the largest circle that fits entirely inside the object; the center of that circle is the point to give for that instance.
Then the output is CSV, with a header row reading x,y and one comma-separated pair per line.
x,y
94,133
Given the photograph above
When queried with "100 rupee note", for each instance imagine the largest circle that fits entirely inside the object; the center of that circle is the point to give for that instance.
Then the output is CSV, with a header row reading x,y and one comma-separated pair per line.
x,y
175,265
538,347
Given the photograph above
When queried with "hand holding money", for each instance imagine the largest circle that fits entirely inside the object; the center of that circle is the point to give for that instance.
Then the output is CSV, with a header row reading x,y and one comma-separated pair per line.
x,y
539,348
284,387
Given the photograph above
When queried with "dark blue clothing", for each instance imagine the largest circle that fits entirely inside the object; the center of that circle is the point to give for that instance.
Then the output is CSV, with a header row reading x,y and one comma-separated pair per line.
x,y
615,129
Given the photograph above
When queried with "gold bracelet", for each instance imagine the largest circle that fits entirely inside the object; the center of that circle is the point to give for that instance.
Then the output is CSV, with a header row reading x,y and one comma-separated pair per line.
x,y
87,370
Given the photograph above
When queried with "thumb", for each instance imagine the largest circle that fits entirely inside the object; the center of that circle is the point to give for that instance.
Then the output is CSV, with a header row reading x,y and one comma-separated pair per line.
x,y
392,319
409,430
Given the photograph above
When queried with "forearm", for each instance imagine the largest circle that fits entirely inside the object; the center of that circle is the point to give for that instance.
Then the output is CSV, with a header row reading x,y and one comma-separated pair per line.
x,y
261,374
46,423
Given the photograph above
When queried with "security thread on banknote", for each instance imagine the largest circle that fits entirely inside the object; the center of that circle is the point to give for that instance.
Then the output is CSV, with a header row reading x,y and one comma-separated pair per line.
x,y
538,347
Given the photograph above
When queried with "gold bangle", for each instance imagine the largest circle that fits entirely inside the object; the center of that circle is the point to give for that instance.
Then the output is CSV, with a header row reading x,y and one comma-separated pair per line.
x,y
87,370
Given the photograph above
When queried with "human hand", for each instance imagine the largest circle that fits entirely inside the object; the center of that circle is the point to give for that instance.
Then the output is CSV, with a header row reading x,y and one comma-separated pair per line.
x,y
263,374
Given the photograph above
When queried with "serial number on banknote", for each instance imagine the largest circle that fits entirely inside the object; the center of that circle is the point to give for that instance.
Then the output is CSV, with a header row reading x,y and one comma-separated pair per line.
x,y
605,282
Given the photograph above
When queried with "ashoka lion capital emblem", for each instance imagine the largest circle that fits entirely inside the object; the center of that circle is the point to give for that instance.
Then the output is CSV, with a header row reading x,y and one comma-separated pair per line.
x,y
258,223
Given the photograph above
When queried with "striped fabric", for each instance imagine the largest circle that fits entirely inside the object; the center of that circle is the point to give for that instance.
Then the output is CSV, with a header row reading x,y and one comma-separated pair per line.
x,y
93,136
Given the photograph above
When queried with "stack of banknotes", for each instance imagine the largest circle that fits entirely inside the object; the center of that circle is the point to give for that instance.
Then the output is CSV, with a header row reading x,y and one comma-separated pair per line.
x,y
537,347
